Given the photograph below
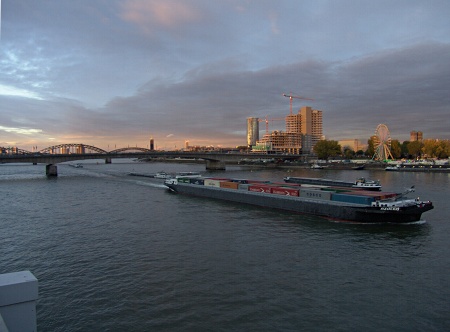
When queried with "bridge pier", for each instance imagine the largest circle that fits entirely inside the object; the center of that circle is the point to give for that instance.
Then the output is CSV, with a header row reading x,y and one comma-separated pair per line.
x,y
108,160
51,170
215,165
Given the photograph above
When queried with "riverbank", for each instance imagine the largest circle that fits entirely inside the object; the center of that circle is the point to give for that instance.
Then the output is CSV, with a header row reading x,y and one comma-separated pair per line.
x,y
272,163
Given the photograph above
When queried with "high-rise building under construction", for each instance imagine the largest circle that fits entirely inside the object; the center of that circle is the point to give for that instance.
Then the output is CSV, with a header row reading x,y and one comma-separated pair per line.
x,y
303,131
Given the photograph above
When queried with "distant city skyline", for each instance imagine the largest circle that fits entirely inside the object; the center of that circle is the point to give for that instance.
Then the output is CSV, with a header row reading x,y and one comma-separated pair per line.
x,y
116,73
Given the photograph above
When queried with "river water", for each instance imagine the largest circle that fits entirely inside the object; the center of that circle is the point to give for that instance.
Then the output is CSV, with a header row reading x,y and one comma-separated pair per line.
x,y
114,252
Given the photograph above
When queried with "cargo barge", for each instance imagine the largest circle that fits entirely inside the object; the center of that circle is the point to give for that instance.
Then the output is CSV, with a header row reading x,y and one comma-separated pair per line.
x,y
360,183
330,202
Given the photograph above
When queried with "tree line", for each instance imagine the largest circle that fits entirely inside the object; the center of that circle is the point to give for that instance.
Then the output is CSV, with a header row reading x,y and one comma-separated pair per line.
x,y
429,148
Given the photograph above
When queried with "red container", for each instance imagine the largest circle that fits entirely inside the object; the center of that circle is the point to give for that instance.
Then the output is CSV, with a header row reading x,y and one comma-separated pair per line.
x,y
285,191
260,188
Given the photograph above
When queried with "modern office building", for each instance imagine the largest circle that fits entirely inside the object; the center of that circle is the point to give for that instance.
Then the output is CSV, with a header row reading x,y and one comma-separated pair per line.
x,y
252,131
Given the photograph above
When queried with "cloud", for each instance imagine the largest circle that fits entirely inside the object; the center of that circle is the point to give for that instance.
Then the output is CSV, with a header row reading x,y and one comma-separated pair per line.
x,y
22,131
13,91
148,14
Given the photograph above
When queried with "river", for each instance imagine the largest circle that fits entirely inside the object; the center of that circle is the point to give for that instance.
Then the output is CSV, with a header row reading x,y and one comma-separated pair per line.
x,y
114,252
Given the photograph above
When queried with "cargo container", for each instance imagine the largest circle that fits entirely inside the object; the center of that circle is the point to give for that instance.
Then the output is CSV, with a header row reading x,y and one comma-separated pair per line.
x,y
316,194
243,186
367,200
285,191
229,184
376,195
212,183
184,180
260,188
243,181
336,189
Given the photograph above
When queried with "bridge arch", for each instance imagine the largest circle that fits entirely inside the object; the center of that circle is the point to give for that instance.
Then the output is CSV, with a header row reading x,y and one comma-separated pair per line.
x,y
13,150
128,149
71,148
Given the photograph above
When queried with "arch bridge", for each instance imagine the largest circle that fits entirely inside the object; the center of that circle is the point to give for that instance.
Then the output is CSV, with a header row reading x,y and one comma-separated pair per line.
x,y
73,152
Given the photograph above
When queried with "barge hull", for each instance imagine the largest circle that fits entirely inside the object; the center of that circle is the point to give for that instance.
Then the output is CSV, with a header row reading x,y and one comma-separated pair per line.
x,y
326,209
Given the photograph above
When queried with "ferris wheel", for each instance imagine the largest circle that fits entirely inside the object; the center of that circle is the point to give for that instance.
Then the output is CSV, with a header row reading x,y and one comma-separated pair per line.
x,y
382,143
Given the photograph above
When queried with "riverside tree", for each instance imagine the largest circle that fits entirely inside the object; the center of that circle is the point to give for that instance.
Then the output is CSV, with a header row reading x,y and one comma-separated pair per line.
x,y
436,148
325,149
396,149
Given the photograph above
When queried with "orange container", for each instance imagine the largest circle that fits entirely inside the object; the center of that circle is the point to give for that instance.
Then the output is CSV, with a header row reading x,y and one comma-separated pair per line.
x,y
229,184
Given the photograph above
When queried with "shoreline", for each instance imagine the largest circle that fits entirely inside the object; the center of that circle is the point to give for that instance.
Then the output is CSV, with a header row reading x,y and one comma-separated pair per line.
x,y
326,166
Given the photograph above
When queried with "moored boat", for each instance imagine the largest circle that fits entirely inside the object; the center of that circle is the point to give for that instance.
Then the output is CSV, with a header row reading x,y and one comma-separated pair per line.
x,y
162,175
188,175
338,203
76,165
419,167
316,166
360,183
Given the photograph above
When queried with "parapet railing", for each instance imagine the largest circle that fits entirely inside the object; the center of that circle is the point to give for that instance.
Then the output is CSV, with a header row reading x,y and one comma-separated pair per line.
x,y
18,295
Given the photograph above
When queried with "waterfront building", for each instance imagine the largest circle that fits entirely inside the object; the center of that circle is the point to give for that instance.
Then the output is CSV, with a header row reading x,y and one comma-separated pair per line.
x,y
303,131
278,141
311,126
416,136
252,131
353,144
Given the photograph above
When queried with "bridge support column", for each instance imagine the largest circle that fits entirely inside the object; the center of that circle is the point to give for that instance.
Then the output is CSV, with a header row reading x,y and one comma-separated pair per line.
x,y
215,165
51,170
108,160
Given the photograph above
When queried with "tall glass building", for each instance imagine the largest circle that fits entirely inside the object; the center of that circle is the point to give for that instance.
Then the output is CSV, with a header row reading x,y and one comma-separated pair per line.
x,y
252,131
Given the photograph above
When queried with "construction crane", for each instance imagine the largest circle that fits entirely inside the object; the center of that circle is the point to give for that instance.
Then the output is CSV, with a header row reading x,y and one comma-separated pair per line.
x,y
290,96
266,120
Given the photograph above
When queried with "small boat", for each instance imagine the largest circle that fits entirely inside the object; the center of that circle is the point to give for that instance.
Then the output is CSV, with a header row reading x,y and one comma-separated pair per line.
x,y
316,166
392,168
76,165
162,175
359,167
367,184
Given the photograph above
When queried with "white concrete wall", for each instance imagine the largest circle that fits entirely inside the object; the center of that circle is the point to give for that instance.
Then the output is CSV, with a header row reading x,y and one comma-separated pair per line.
x,y
18,295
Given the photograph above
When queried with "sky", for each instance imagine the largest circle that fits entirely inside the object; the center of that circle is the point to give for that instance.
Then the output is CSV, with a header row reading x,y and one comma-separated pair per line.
x,y
113,73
